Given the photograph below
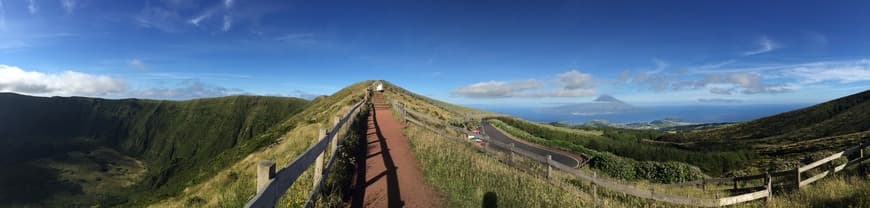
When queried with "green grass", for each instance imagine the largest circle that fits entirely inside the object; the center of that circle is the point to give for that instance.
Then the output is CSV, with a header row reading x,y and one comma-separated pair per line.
x,y
465,176
280,144
631,145
176,139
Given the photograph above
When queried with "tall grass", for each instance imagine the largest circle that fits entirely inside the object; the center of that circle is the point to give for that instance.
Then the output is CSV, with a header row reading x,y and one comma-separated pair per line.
x,y
850,188
466,176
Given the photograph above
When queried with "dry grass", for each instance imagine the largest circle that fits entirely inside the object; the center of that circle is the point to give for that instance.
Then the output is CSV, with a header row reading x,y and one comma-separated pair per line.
x,y
464,176
837,191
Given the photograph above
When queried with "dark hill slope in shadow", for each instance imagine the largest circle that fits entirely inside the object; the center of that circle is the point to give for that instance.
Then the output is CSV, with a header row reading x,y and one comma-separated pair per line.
x,y
177,140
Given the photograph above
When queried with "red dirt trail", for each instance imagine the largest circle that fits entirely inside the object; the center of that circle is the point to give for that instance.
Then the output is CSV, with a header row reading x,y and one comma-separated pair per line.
x,y
391,176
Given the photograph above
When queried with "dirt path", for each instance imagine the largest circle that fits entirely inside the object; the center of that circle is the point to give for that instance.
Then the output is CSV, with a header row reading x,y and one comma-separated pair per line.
x,y
390,176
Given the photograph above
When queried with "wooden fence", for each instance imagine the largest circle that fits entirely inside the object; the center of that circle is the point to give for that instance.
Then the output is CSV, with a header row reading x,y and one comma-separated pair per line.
x,y
271,185
758,192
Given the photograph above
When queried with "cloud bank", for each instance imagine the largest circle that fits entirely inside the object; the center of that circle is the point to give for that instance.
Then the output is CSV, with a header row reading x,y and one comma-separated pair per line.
x,y
568,84
73,83
67,83
719,100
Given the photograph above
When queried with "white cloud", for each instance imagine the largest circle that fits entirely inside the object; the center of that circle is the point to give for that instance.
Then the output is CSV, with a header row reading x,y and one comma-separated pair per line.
x,y
187,89
68,5
569,84
712,65
203,16
139,64
227,23
766,45
719,83
67,83
573,79
721,90
839,72
661,65
295,37
719,100
579,92
499,89
228,3
32,7
745,82
297,94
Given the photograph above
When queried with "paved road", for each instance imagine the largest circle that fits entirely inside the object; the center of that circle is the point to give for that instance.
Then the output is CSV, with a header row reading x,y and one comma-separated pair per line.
x,y
496,135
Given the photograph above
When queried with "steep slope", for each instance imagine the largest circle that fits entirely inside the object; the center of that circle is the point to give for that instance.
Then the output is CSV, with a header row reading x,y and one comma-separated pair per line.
x,y
841,116
174,140
785,139
232,185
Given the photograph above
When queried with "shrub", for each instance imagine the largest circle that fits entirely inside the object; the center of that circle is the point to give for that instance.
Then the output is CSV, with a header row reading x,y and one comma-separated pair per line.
x,y
612,164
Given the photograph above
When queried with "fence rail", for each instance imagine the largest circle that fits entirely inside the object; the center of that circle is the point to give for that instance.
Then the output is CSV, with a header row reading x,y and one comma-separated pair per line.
x,y
614,186
271,186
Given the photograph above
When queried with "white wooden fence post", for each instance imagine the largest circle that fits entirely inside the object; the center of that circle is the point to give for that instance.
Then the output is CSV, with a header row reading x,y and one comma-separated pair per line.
x,y
549,166
265,173
769,184
797,177
594,188
334,143
318,164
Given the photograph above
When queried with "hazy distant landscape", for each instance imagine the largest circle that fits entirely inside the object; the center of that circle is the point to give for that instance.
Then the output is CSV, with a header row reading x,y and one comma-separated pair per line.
x,y
687,113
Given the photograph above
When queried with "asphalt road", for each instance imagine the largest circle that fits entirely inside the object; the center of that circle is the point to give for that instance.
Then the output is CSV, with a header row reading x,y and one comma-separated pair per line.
x,y
496,135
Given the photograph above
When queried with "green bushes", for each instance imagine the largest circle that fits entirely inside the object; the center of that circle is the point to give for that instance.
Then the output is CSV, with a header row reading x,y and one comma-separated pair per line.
x,y
630,144
613,165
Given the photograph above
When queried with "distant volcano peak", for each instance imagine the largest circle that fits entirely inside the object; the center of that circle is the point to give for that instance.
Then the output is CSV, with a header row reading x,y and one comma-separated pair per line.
x,y
607,98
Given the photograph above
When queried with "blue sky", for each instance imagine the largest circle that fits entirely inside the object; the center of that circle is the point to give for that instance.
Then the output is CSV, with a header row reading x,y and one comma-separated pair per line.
x,y
493,52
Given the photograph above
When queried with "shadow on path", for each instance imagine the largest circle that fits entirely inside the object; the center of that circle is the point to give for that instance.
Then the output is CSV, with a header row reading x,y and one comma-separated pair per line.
x,y
361,184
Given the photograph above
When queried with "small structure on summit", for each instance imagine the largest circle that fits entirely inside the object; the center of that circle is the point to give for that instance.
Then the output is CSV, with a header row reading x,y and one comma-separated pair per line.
x,y
380,87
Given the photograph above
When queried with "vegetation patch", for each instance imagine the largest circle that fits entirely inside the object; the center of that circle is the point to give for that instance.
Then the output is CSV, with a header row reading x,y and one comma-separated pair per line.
x,y
606,162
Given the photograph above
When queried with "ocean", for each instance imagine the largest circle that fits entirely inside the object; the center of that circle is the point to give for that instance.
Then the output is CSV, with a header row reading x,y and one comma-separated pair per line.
x,y
687,113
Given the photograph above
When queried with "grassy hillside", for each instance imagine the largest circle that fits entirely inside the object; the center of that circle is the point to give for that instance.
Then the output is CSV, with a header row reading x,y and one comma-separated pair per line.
x,y
791,136
468,178
626,154
844,115
175,141
233,185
